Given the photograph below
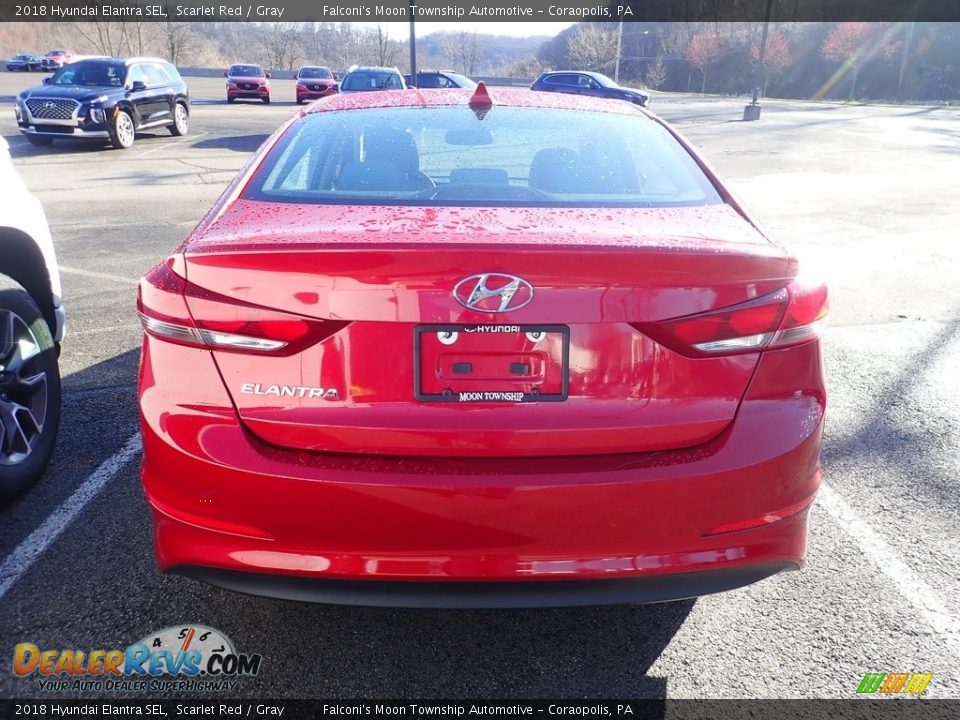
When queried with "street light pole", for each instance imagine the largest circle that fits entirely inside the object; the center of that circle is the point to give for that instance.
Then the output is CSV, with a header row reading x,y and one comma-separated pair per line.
x,y
752,111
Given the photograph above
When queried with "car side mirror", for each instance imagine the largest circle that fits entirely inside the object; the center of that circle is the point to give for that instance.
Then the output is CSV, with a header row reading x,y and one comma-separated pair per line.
x,y
226,74
336,77
294,77
138,86
336,87
46,80
269,76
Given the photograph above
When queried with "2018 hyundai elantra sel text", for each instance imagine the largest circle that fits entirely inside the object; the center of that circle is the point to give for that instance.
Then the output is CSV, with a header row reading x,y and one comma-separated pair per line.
x,y
479,348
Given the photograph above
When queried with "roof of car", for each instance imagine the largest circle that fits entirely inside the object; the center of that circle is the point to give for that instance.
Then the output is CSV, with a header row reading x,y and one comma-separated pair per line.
x,y
125,61
503,96
373,68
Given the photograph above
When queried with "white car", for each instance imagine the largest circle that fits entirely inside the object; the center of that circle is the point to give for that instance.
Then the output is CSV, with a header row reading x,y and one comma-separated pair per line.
x,y
31,328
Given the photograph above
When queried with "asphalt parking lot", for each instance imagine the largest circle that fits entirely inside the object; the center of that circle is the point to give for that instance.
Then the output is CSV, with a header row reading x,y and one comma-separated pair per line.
x,y
866,195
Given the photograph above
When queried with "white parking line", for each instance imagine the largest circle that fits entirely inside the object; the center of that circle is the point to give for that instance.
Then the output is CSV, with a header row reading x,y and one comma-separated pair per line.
x,y
33,546
99,275
918,593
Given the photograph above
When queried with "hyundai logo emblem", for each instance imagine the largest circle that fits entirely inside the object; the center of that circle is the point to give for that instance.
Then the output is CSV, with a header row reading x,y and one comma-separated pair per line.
x,y
493,292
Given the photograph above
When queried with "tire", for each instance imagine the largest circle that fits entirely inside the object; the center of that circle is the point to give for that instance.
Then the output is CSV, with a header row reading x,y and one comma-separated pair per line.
x,y
299,101
39,140
123,132
181,120
266,100
29,393
230,100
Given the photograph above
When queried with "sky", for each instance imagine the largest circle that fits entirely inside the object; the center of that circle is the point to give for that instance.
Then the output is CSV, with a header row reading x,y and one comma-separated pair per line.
x,y
401,30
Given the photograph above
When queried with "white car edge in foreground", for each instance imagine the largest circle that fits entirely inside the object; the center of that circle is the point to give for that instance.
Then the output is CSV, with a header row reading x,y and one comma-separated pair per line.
x,y
31,328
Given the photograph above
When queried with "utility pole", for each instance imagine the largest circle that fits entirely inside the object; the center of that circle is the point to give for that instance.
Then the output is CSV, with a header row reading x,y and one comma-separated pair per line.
x,y
616,67
413,46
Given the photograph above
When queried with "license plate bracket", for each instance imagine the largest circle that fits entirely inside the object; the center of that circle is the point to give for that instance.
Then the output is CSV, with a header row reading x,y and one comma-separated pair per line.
x,y
488,363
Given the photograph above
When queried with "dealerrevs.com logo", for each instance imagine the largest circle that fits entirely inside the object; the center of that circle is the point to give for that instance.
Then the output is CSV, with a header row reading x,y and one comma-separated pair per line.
x,y
894,683
182,658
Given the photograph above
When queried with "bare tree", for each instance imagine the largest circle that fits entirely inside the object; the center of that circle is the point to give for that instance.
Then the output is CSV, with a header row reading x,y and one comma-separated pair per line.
x,y
282,44
178,38
657,74
462,49
344,44
386,49
594,47
106,38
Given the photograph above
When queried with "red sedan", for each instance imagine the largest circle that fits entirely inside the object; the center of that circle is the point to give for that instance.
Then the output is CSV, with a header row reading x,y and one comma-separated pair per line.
x,y
314,83
483,349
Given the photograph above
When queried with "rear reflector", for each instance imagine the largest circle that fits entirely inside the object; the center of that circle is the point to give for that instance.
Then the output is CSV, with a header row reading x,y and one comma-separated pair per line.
x,y
789,316
175,310
769,518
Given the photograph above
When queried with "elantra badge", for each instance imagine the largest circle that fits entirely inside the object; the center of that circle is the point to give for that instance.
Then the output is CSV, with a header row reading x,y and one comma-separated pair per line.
x,y
299,391
493,292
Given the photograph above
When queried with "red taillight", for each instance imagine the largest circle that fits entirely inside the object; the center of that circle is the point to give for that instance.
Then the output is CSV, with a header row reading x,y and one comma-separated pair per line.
x,y
177,311
789,316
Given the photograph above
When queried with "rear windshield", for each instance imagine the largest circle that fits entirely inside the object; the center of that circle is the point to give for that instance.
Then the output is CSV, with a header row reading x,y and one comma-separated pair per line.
x,y
246,71
371,80
453,156
315,73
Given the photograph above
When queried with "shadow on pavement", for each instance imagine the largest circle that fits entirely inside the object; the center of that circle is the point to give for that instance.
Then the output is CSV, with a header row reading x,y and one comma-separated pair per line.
x,y
239,143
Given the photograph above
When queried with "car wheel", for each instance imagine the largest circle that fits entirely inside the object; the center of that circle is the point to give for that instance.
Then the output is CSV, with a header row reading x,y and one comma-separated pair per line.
x,y
181,120
123,133
266,100
29,393
230,100
299,101
39,140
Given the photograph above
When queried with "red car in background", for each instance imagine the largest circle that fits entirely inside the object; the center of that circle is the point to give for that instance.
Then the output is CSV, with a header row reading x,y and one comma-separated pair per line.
x,y
248,82
479,349
59,57
314,82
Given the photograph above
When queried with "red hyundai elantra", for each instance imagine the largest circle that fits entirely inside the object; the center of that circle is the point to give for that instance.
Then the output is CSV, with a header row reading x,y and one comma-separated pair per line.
x,y
479,349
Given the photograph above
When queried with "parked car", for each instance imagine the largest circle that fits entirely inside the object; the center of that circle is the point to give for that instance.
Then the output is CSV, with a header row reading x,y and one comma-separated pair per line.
x,y
428,79
245,81
25,63
105,99
366,79
59,57
315,82
479,348
590,84
31,328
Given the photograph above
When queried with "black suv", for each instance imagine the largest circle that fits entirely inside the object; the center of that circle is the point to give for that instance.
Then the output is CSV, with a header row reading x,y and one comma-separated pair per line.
x,y
591,84
105,98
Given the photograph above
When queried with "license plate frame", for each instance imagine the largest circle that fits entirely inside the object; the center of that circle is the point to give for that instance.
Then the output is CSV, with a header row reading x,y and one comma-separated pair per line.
x,y
493,395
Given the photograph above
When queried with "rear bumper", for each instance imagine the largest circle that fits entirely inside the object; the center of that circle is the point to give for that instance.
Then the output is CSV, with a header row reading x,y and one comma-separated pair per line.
x,y
466,595
291,524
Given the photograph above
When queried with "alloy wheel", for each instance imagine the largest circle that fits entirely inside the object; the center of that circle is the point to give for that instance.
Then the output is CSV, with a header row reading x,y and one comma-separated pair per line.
x,y
23,389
